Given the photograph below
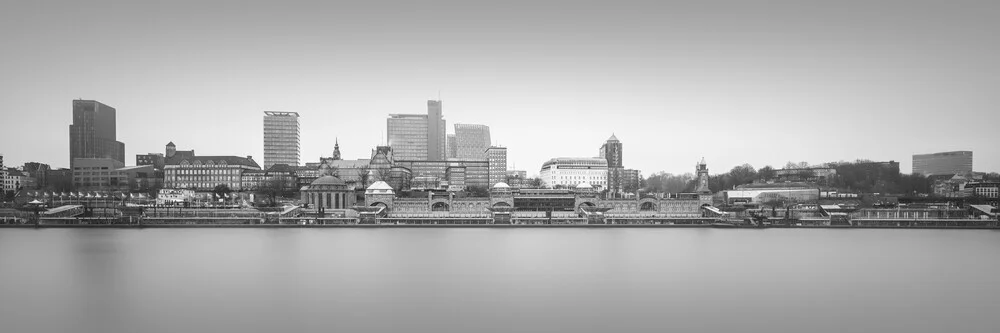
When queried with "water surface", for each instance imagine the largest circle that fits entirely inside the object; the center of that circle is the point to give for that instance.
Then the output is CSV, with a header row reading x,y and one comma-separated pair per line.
x,y
499,280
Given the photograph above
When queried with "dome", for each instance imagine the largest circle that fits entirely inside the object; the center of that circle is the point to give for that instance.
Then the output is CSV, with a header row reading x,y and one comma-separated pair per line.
x,y
501,185
584,186
328,180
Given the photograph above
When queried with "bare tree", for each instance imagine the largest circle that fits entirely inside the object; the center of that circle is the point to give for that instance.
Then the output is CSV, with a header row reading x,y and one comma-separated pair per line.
x,y
364,173
383,174
274,188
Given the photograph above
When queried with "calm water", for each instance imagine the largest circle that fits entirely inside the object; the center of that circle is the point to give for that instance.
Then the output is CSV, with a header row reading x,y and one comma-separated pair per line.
x,y
499,280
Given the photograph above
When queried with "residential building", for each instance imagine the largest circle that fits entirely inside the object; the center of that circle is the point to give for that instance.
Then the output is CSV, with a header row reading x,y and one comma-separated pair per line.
x,y
12,180
952,162
985,189
281,138
93,132
418,137
497,158
569,172
471,141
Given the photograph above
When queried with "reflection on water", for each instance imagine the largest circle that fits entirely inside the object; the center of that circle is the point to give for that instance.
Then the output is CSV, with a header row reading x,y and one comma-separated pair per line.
x,y
498,280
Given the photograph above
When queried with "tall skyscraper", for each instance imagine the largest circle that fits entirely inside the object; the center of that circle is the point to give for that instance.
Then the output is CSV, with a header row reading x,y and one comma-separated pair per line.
x,y
418,137
407,135
281,138
471,141
611,151
452,148
436,126
497,157
93,133
946,163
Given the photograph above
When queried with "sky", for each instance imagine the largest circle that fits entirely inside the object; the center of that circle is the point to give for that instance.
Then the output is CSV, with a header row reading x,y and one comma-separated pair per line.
x,y
759,82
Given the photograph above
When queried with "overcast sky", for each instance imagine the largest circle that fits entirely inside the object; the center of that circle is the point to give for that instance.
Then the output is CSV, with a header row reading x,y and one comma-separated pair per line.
x,y
732,81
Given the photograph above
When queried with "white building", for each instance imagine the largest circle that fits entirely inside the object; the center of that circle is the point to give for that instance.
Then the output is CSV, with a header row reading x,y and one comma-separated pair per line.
x,y
571,171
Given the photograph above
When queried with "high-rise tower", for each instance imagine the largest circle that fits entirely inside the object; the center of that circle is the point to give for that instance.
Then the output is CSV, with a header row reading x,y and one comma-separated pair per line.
x,y
436,139
611,151
93,133
471,141
418,137
281,138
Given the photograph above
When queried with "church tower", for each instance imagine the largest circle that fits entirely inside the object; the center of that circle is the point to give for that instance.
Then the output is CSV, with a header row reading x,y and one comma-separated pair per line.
x,y
336,149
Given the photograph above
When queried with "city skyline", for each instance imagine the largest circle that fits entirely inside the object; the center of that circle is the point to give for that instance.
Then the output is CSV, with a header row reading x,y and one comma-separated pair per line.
x,y
873,90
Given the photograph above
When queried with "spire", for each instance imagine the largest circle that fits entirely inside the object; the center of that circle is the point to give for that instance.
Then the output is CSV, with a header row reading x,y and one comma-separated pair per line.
x,y
613,138
336,148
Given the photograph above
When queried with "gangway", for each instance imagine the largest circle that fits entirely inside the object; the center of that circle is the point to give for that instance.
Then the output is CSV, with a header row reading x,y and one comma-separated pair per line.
x,y
64,211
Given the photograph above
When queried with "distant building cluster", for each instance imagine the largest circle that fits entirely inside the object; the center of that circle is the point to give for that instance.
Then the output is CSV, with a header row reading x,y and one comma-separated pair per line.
x,y
422,164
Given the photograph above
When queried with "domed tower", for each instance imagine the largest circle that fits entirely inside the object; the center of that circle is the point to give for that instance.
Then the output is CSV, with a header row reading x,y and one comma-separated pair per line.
x,y
501,195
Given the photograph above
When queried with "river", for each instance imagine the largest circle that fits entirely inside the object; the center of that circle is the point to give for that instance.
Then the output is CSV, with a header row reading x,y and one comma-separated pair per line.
x,y
499,280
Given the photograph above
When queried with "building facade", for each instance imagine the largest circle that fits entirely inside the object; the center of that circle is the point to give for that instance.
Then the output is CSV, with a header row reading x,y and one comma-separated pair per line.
x,y
418,137
281,138
185,170
571,171
497,158
452,148
952,162
93,133
154,159
436,125
455,174
471,141
407,135
106,174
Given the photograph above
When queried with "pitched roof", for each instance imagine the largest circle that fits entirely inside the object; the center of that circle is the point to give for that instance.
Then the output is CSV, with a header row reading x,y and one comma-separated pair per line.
x,y
230,160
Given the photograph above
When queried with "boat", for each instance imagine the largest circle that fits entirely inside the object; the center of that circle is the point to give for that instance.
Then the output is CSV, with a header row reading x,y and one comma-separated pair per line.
x,y
723,225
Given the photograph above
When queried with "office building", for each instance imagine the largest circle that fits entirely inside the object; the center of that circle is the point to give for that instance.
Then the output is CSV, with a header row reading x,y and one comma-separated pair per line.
x,y
946,163
407,135
436,126
471,141
456,174
452,148
93,132
497,158
418,137
281,138
185,170
568,172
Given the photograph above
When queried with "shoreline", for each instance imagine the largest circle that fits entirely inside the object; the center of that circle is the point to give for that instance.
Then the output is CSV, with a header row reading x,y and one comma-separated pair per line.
x,y
595,226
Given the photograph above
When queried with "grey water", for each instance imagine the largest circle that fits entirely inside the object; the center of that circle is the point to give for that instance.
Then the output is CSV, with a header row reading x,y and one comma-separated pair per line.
x,y
499,280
